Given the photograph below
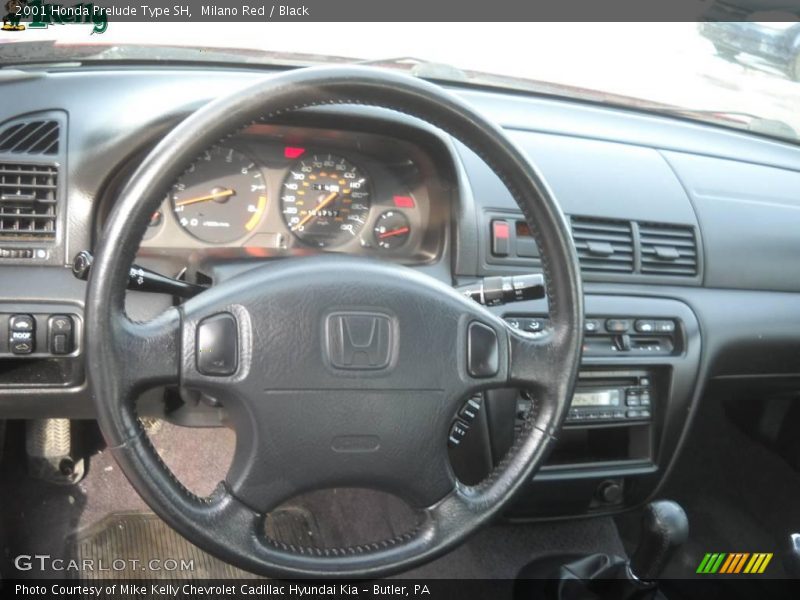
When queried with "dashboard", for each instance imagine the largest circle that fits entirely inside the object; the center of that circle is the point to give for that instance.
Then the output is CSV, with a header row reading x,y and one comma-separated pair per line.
x,y
687,236
275,191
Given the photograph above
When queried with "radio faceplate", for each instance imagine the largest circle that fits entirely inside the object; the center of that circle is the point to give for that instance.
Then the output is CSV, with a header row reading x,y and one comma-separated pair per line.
x,y
607,397
603,402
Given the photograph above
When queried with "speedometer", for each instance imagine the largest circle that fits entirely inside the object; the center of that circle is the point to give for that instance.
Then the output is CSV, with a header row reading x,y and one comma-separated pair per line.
x,y
325,200
222,196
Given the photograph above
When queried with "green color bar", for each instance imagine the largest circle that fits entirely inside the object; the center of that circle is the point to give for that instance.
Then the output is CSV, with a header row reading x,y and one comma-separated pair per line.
x,y
702,567
717,564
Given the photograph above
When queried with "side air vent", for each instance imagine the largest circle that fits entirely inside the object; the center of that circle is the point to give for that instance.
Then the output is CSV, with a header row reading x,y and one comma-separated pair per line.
x,y
669,250
27,201
603,245
31,137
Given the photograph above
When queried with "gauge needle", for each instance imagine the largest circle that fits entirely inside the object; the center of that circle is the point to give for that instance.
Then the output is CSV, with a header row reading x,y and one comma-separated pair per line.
x,y
313,212
398,231
213,196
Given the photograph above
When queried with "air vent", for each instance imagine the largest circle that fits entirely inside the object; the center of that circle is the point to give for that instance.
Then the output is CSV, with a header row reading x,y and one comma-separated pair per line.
x,y
31,137
603,246
27,201
669,250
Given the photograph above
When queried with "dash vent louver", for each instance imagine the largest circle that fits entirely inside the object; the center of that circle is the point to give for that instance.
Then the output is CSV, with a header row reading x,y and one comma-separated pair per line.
x,y
603,245
28,201
669,250
31,137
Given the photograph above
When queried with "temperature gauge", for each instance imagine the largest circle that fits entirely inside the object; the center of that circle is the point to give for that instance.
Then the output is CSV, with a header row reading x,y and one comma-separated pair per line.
x,y
392,230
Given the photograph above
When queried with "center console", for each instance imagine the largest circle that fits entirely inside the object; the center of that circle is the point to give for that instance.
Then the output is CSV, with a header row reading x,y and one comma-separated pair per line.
x,y
629,408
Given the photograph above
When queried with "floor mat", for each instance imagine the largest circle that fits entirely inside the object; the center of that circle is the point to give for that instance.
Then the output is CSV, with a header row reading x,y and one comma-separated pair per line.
x,y
139,545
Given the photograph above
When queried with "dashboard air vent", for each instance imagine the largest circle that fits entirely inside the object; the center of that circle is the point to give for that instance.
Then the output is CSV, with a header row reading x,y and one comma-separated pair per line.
x,y
27,201
31,137
603,245
669,250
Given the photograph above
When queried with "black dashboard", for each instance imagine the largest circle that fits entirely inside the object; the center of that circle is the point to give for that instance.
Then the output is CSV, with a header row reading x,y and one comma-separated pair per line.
x,y
687,236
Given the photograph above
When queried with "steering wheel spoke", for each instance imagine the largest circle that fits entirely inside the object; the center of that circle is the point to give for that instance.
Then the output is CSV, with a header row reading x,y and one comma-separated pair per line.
x,y
149,350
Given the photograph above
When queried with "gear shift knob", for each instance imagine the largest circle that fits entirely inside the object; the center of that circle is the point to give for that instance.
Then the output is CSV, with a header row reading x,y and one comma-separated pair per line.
x,y
665,528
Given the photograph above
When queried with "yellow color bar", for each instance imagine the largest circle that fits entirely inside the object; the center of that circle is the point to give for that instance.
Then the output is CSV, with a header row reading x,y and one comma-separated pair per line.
x,y
767,558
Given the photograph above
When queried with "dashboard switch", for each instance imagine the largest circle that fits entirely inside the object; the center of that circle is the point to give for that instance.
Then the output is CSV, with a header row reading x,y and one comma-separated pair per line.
x,y
617,325
483,352
622,342
21,323
591,325
664,326
217,345
21,342
21,334
471,408
458,432
59,334
501,236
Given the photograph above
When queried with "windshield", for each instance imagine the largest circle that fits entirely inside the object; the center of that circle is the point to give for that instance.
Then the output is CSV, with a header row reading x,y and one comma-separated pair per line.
x,y
740,75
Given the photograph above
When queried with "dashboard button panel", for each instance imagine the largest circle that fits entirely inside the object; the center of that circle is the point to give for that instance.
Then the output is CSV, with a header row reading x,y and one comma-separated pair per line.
x,y
34,334
616,336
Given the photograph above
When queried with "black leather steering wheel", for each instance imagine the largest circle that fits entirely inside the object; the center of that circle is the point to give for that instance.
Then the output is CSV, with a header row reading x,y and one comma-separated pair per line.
x,y
309,410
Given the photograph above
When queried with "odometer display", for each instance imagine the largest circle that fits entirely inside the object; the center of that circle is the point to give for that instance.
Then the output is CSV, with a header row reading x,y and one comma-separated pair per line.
x,y
325,200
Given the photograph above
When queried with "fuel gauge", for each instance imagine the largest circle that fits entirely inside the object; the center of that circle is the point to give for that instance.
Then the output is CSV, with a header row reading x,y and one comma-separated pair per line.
x,y
392,230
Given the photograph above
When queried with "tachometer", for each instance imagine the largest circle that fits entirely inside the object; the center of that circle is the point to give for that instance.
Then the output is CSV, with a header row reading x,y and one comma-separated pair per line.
x,y
222,196
325,200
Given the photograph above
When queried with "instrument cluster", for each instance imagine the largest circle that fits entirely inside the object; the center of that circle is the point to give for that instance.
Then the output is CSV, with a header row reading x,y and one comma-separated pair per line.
x,y
276,190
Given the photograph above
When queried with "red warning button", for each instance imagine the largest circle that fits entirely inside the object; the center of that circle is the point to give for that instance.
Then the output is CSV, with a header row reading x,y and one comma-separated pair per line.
x,y
500,238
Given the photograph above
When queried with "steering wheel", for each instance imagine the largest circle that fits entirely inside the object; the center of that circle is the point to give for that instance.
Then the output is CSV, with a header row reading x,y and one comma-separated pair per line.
x,y
335,371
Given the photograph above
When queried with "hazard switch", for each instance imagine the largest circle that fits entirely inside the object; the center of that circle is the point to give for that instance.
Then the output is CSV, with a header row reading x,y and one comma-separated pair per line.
x,y
501,237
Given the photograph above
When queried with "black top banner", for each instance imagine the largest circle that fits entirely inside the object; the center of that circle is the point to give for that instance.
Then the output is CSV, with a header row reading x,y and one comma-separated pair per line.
x,y
41,12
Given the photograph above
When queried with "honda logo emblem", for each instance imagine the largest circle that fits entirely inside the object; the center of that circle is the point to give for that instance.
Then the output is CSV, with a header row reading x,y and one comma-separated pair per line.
x,y
359,340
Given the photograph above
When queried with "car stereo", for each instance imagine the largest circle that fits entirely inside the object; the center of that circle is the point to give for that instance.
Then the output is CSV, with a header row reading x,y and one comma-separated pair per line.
x,y
617,403
626,397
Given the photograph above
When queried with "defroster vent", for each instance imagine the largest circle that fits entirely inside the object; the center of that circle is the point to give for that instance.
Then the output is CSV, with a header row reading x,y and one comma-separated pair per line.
x,y
38,136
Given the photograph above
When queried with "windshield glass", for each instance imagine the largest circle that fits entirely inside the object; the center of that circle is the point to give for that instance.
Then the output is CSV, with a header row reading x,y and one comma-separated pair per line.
x,y
741,75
